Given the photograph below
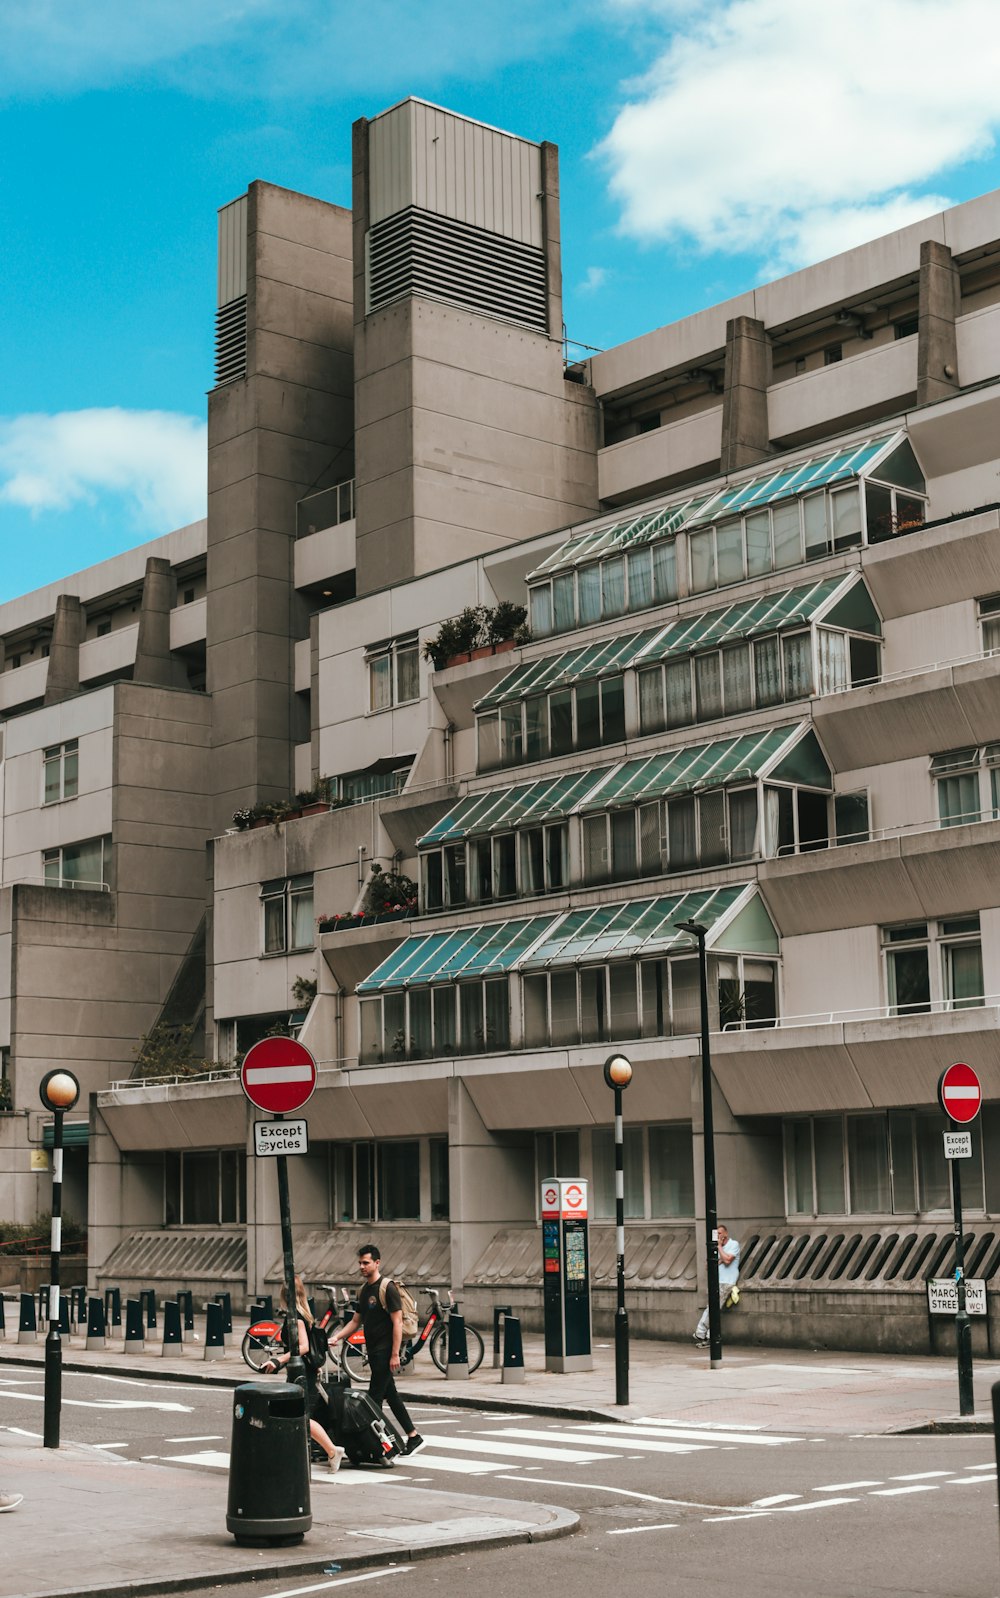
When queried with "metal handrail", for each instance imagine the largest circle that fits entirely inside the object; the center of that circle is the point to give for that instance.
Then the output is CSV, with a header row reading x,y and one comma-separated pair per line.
x,y
884,1012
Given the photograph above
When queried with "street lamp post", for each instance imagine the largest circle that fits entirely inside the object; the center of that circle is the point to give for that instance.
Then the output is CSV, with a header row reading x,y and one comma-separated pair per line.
x,y
618,1075
58,1091
696,930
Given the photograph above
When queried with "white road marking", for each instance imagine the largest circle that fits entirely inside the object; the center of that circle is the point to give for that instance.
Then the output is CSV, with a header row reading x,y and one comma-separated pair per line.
x,y
110,1445
431,1531
707,1439
210,1456
895,1492
845,1486
709,1425
969,1481
630,1531
982,1467
462,1467
20,1432
749,1514
920,1475
213,1439
650,1445
108,1403
776,1498
478,1445
624,1492
826,1503
342,1581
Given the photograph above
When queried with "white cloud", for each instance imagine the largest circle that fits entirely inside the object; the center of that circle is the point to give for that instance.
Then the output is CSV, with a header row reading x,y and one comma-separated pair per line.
x,y
154,460
792,130
595,279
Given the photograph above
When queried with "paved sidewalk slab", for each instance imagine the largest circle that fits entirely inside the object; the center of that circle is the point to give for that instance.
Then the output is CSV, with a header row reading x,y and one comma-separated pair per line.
x,y
784,1389
95,1525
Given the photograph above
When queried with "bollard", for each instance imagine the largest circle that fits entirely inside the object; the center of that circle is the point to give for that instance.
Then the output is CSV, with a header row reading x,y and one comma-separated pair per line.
x,y
27,1330
995,1395
215,1341
43,1304
267,1304
225,1303
3,1323
185,1303
63,1316
258,1311
78,1305
173,1342
147,1299
135,1343
458,1351
113,1308
513,1350
498,1311
96,1325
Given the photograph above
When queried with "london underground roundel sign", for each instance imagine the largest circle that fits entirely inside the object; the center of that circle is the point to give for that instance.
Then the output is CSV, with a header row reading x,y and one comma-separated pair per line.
x,y
960,1093
278,1075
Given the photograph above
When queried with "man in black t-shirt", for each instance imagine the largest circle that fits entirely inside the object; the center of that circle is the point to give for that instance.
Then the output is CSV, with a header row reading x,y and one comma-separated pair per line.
x,y
383,1329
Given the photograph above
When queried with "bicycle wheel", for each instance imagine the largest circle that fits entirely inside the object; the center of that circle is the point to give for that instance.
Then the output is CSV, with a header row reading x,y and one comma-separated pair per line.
x,y
260,1346
439,1347
354,1362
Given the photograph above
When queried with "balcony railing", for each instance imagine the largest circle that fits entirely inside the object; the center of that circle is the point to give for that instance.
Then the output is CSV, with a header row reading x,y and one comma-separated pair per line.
x,y
884,1012
328,508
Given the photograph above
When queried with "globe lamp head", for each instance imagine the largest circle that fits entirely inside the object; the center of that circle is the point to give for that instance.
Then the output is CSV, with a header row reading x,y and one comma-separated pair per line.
x,y
618,1071
59,1090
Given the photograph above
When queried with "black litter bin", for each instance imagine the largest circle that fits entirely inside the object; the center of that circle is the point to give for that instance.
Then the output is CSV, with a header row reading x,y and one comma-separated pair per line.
x,y
269,1464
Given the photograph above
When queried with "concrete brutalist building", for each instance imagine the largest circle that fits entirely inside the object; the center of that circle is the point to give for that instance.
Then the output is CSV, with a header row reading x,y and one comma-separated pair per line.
x,y
760,553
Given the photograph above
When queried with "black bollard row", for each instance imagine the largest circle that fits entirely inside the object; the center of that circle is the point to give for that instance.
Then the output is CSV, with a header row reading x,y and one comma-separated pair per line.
x,y
225,1303
458,1348
3,1323
513,1350
113,1308
173,1342
135,1342
215,1338
147,1299
97,1327
27,1329
185,1303
78,1305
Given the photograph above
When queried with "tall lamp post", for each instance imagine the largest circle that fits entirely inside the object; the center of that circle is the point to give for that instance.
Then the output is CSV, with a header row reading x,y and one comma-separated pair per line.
x,y
618,1075
696,930
58,1091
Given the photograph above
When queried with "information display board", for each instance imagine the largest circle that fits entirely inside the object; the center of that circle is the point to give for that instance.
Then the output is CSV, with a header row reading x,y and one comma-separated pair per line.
x,y
566,1275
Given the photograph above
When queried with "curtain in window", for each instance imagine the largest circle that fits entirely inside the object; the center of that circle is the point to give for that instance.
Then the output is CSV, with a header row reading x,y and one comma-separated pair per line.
x,y
613,586
712,827
671,1171
488,729
909,981
394,1025
454,870
655,998
868,1165
274,924
623,848
772,822
564,602
588,594
588,715
470,1008
532,861
708,686
557,854
798,1167
302,918
504,868
540,602
678,706
612,710
640,579
964,966
829,1143
445,1035
565,1027
407,675
685,997
958,799
743,824
796,649
729,552
651,715
682,834
624,999
511,738
665,571
701,552
371,1030
420,1022
380,677
593,1004
497,1013
845,510
814,522
561,722
758,535
534,998
737,681
595,849
832,661
767,671
650,826
786,534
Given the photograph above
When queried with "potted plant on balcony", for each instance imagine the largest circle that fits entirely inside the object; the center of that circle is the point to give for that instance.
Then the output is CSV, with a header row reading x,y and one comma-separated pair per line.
x,y
506,626
303,992
312,801
455,640
391,895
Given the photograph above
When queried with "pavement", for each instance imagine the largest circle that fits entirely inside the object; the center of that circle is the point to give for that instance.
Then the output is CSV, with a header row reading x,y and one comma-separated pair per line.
x,y
77,1498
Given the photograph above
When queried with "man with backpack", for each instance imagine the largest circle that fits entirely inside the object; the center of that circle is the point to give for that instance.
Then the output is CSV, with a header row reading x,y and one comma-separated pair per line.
x,y
380,1315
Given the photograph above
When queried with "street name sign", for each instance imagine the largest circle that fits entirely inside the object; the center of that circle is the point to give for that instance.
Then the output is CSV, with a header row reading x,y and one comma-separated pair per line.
x,y
957,1145
278,1075
960,1093
280,1137
942,1296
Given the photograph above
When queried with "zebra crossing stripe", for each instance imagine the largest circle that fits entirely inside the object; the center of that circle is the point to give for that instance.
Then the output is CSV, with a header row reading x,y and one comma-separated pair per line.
x,y
692,1433
476,1445
647,1445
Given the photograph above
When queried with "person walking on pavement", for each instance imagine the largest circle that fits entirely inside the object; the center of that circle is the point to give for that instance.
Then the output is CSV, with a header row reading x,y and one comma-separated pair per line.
x,y
10,1501
316,1405
383,1328
729,1271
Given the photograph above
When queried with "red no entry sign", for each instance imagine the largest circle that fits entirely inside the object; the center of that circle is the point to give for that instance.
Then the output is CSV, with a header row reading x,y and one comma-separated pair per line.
x,y
960,1093
278,1075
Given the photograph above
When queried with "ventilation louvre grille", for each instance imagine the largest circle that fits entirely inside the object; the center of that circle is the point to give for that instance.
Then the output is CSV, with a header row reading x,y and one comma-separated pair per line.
x,y
419,252
231,341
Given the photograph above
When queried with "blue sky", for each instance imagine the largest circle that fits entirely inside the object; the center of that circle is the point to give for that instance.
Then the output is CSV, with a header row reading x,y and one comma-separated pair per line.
x,y
704,147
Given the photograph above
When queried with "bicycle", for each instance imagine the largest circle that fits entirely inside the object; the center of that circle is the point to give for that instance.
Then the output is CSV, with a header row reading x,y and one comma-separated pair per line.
x,y
433,1334
263,1342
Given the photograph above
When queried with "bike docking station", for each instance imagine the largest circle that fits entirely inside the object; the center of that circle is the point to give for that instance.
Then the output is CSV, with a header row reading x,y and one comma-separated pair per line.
x,y
566,1275
270,1437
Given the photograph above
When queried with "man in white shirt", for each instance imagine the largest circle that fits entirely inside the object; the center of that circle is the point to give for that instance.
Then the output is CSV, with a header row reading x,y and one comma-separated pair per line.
x,y
729,1271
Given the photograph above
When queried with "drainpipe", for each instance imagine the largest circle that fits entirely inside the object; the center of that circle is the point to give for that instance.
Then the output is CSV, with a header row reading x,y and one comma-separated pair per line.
x,y
449,759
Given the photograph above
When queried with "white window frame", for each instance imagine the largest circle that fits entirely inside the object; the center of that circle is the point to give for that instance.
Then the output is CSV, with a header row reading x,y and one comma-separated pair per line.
x,y
939,938
390,653
981,761
286,892
64,758
57,856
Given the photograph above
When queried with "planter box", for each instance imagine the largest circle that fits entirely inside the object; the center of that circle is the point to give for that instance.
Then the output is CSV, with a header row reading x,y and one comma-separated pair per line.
x,y
458,660
259,821
315,809
482,652
503,646
341,923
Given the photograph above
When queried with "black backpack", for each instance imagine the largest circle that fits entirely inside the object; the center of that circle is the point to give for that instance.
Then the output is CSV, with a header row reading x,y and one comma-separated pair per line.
x,y
319,1347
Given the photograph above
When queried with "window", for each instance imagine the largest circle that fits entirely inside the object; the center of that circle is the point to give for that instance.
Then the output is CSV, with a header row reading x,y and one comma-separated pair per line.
x,y
968,784
381,1181
906,327
832,354
77,865
934,965
188,596
393,672
633,999
60,772
204,1187
103,628
744,676
989,623
288,914
886,1163
612,587
584,716
437,1022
